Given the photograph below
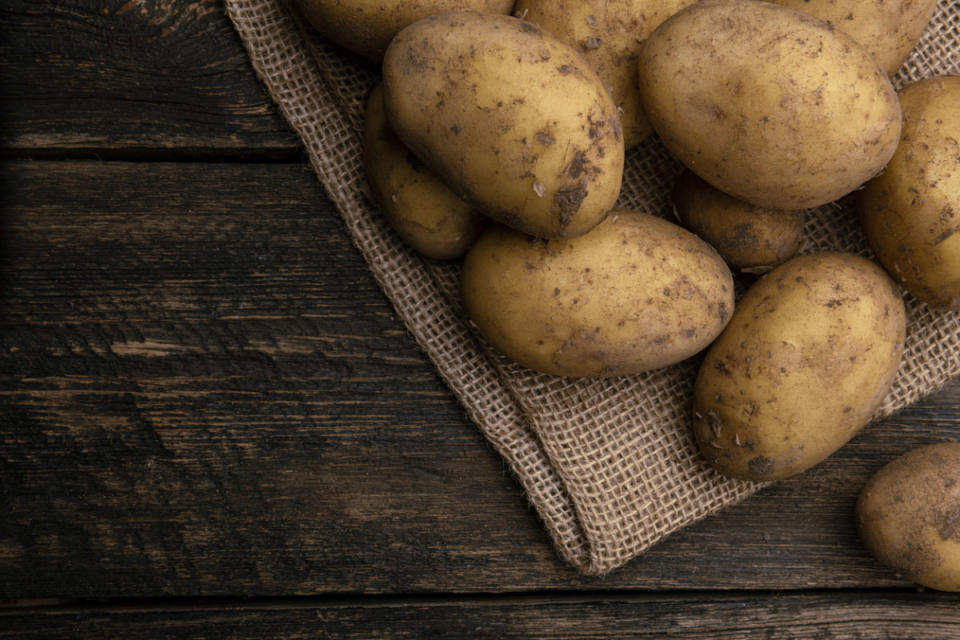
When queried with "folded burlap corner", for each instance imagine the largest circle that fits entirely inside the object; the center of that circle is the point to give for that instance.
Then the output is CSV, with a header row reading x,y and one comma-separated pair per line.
x,y
610,465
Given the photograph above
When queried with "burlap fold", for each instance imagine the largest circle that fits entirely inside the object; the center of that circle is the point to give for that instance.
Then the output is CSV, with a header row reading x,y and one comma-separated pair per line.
x,y
610,465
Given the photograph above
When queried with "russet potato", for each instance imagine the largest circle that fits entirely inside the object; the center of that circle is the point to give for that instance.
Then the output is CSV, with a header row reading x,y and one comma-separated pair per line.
x,y
810,353
908,515
635,293
750,238
609,34
426,214
911,212
511,118
889,29
768,104
367,26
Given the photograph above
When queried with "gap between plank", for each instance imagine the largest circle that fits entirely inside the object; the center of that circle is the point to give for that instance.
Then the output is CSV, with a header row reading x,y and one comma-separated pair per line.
x,y
53,606
272,155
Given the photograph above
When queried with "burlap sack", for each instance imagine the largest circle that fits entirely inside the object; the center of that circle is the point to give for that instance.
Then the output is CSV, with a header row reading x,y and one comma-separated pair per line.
x,y
610,465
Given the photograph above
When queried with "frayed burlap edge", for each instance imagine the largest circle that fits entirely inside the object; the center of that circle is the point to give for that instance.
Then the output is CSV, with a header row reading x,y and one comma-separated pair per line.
x,y
609,465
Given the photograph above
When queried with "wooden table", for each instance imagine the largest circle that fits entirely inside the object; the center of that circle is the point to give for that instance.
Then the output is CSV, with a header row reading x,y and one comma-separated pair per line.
x,y
214,425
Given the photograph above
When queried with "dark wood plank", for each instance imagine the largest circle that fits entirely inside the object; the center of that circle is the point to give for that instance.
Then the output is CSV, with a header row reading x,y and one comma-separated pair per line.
x,y
818,616
140,78
205,393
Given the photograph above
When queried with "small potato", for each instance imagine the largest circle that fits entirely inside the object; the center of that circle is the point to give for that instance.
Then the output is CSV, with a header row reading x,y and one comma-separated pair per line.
x,y
768,104
889,29
609,35
366,27
911,213
635,293
809,355
750,238
511,118
422,209
908,516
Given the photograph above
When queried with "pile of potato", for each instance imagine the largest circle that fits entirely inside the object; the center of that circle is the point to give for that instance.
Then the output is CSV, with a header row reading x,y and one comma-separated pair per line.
x,y
502,137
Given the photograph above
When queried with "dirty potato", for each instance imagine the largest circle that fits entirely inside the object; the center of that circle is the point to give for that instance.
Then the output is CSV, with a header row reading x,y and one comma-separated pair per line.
x,y
889,29
609,34
635,293
366,27
768,104
908,515
426,214
811,351
511,118
750,238
911,213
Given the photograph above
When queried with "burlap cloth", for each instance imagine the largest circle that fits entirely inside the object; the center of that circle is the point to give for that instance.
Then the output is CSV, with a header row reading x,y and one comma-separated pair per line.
x,y
610,465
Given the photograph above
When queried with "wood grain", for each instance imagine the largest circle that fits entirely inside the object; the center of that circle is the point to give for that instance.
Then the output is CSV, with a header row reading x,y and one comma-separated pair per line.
x,y
204,392
144,78
811,616
212,423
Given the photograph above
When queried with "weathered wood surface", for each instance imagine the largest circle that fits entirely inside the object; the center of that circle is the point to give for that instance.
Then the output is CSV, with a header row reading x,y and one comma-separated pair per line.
x,y
205,393
146,77
774,616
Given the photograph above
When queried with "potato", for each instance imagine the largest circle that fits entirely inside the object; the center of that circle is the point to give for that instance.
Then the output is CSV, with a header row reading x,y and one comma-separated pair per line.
x,y
768,104
750,238
911,213
908,515
810,353
609,34
511,118
426,214
635,293
889,29
366,27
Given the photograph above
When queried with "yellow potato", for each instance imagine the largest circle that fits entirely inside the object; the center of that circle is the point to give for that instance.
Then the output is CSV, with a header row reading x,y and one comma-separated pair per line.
x,y
511,118
366,27
423,210
750,238
768,104
609,34
889,29
911,212
811,351
635,293
908,515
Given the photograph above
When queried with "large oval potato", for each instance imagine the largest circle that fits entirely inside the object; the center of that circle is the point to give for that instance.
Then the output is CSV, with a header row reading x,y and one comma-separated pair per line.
x,y
767,103
911,212
366,27
750,238
609,34
635,293
908,515
889,29
426,214
811,351
513,119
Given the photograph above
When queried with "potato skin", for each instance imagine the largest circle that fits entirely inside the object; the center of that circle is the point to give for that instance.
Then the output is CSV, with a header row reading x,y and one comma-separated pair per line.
x,y
910,213
810,353
426,214
908,515
768,104
750,238
609,34
366,27
511,118
889,29
636,293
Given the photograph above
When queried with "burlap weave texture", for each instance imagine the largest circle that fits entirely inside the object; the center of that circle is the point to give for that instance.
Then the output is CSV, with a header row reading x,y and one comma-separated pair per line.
x,y
610,465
